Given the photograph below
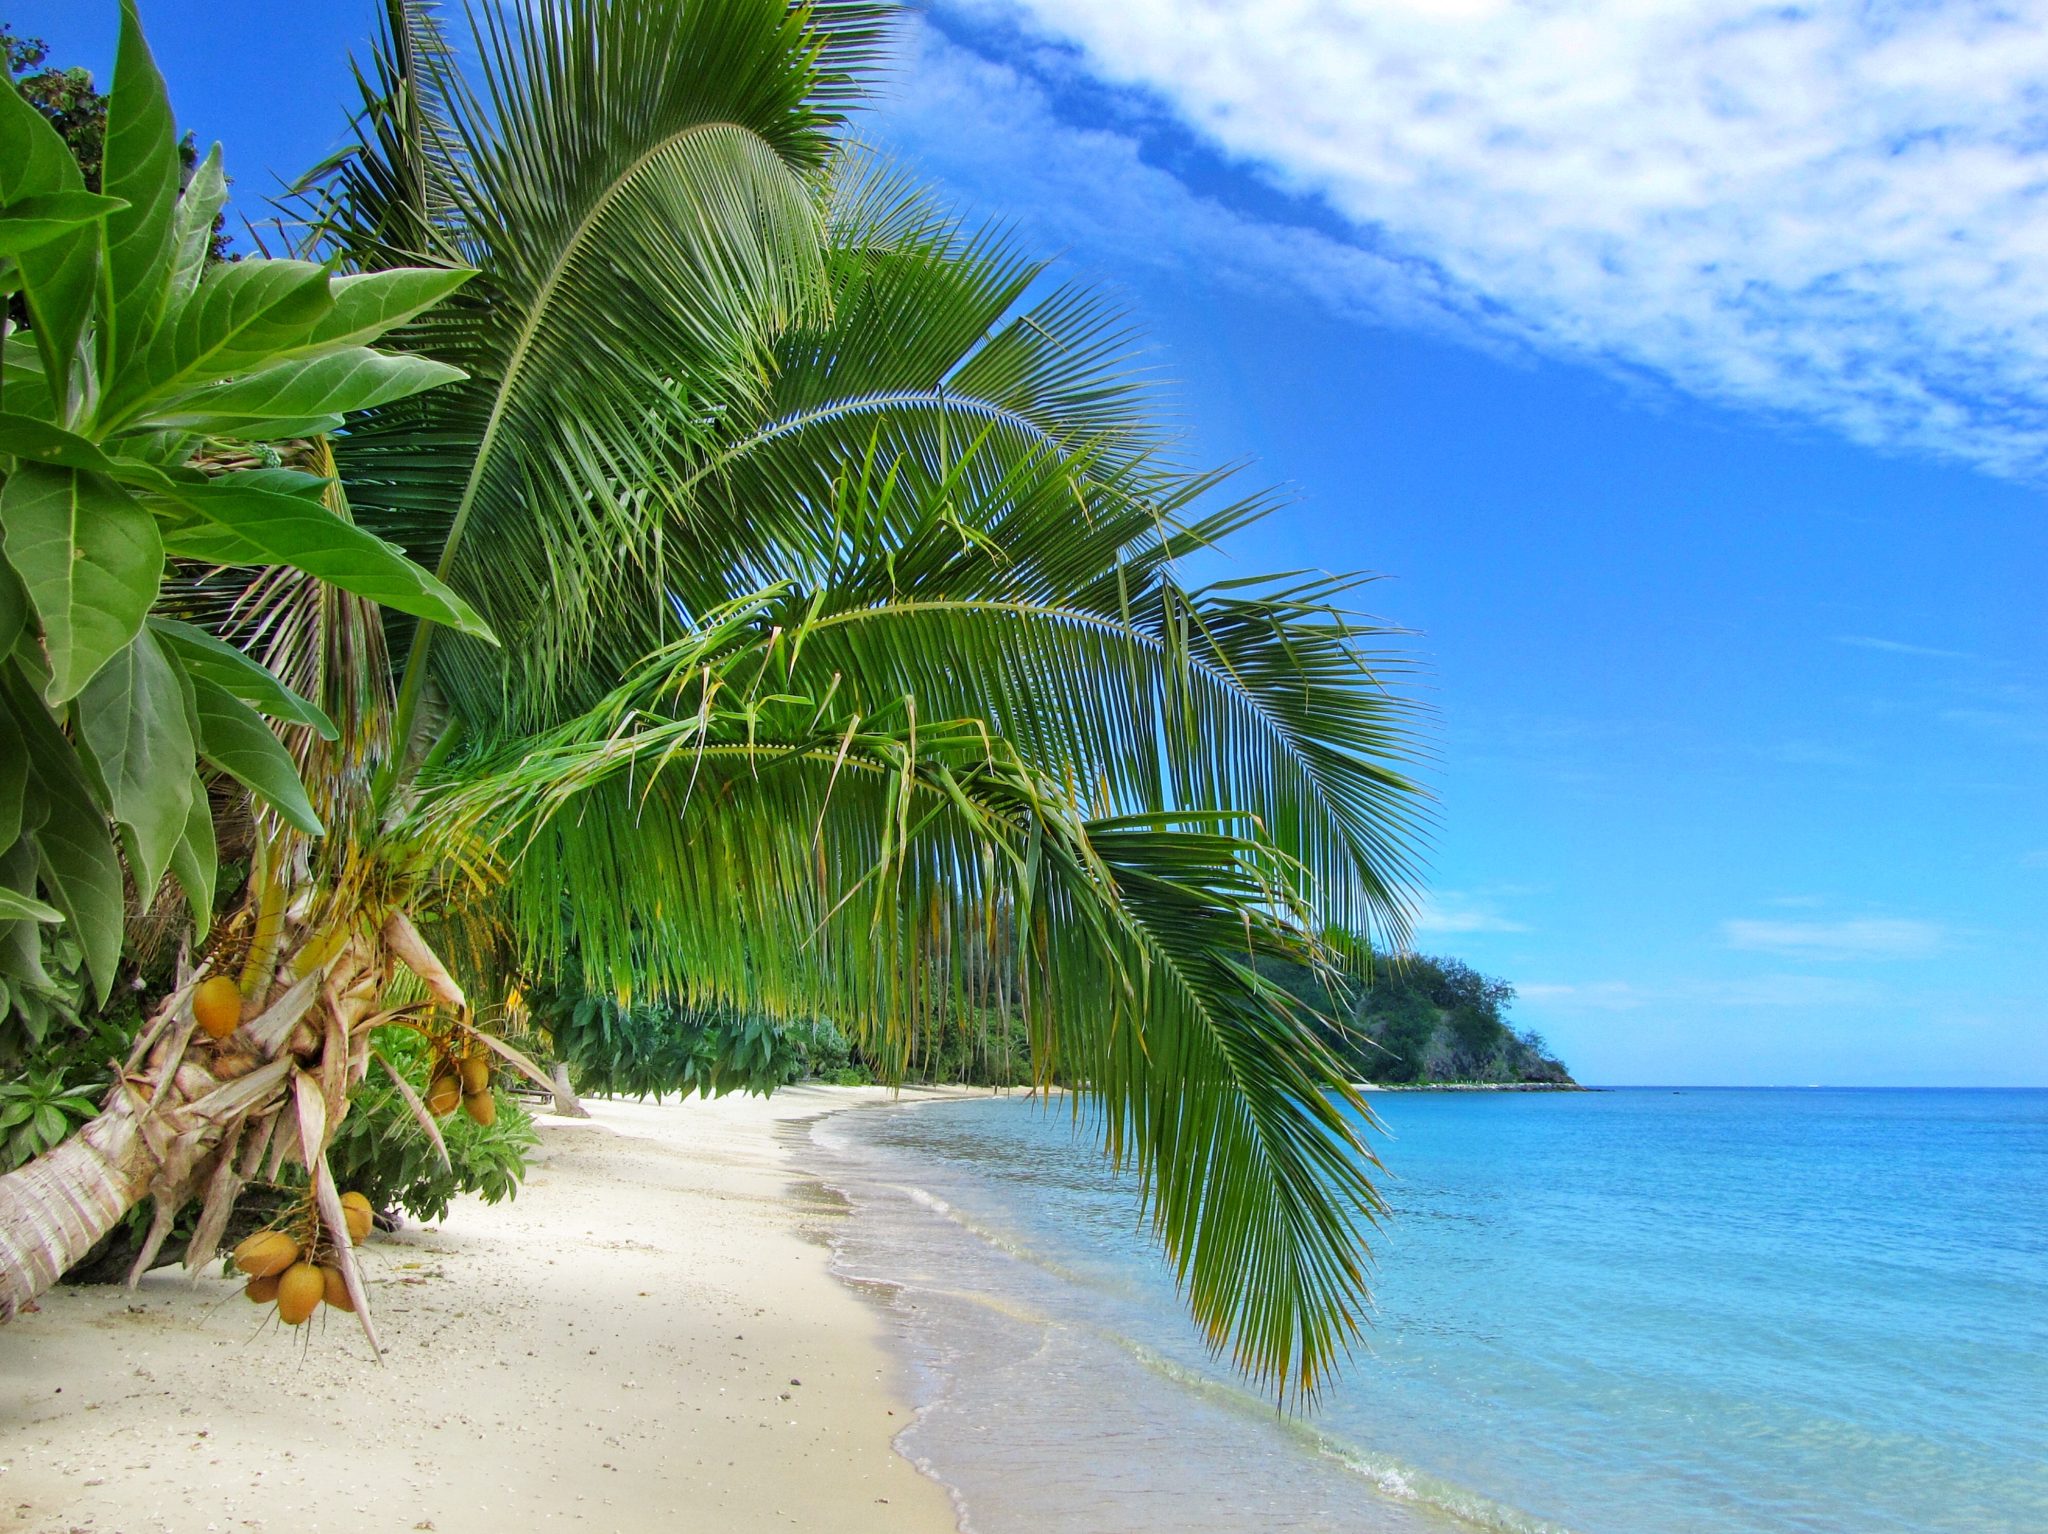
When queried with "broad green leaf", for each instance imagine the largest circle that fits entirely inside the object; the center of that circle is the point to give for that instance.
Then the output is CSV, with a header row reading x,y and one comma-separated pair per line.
x,y
13,610
21,948
368,305
196,860
36,221
298,530
289,394
27,436
218,661
239,316
23,383
234,738
142,169
13,784
192,226
57,274
73,840
15,907
91,560
132,718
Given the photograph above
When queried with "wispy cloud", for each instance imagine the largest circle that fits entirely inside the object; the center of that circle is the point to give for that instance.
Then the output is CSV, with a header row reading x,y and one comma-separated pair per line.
x,y
1448,912
1900,647
1831,210
1866,937
971,120
1811,991
1589,995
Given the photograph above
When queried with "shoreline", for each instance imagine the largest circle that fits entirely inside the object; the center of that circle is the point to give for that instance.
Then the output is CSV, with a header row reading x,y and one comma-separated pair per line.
x,y
649,1336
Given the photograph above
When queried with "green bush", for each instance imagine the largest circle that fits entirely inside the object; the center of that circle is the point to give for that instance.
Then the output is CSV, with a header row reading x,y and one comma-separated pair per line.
x,y
382,1152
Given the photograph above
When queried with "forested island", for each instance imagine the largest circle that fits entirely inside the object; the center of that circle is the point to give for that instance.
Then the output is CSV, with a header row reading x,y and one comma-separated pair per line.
x,y
1425,1020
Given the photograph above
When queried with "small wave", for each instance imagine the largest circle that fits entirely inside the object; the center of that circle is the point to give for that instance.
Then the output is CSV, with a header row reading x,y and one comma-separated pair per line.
x,y
1391,1477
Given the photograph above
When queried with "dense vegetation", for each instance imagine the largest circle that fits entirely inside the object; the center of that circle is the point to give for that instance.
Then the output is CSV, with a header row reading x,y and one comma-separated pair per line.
x,y
1422,1020
813,645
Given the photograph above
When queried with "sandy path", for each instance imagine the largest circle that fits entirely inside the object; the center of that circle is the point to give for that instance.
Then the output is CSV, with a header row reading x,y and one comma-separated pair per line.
x,y
617,1349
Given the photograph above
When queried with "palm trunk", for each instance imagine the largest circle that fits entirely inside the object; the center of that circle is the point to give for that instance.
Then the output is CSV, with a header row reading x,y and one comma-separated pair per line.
x,y
173,1123
567,1103
54,1210
190,1115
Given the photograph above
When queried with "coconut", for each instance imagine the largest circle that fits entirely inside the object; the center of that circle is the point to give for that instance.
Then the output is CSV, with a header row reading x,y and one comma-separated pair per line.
x,y
476,1075
360,1216
443,1093
299,1293
218,1006
482,1107
337,1288
261,1290
266,1254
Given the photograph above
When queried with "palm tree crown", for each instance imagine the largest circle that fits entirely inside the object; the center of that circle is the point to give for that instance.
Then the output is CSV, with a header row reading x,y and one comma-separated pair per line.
x,y
835,563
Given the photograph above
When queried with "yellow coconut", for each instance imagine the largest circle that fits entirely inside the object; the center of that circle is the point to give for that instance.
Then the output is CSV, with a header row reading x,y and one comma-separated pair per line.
x,y
261,1290
482,1107
443,1093
360,1216
337,1288
266,1254
218,1006
476,1075
300,1290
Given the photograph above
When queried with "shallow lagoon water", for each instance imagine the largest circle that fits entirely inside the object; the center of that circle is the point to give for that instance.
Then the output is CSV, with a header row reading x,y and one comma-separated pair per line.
x,y
1689,1311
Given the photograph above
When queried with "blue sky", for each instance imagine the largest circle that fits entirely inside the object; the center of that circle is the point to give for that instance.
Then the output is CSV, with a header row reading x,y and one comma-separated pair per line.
x,y
1680,368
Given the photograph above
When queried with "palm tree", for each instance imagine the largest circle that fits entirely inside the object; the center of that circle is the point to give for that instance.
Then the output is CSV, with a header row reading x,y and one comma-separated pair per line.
x,y
834,564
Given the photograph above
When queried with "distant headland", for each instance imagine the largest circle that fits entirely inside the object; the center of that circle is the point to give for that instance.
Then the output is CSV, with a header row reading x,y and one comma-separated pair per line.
x,y
1429,1021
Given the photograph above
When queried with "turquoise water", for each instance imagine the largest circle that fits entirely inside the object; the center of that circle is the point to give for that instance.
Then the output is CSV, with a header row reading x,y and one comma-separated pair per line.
x,y
1681,1311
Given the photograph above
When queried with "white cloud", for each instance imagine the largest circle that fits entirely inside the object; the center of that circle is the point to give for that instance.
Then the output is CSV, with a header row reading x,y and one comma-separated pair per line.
x,y
972,121
1807,991
1586,995
1900,647
1447,912
1833,210
1866,937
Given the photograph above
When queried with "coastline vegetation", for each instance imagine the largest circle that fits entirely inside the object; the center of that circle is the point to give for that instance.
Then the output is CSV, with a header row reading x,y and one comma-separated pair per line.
x,y
632,545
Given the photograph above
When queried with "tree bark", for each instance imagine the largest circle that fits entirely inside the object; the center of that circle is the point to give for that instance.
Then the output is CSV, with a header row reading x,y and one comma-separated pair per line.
x,y
54,1210
567,1103
172,1122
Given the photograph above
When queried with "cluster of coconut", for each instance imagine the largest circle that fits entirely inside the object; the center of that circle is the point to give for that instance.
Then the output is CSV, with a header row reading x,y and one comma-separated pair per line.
x,y
461,1073
299,1274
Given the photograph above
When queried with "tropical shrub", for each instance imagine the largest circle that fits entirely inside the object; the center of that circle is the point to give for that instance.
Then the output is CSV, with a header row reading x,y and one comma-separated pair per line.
x,y
142,409
136,360
382,1151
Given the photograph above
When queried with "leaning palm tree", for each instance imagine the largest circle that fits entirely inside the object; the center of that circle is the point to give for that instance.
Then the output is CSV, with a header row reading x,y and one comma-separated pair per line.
x,y
835,569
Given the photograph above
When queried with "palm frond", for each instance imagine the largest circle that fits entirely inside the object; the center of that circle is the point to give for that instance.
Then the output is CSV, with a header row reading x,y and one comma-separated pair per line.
x,y
728,842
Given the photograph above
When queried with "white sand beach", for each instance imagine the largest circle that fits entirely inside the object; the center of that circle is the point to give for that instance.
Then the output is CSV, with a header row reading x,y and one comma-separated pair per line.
x,y
647,1338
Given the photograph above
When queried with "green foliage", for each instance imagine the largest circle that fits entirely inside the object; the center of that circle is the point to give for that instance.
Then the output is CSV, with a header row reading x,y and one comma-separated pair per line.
x,y
137,360
37,1110
849,671
382,1151
653,1048
1424,1019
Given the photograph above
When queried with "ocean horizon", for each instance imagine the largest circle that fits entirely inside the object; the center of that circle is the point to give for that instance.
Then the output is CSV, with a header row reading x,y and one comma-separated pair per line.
x,y
1695,1310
